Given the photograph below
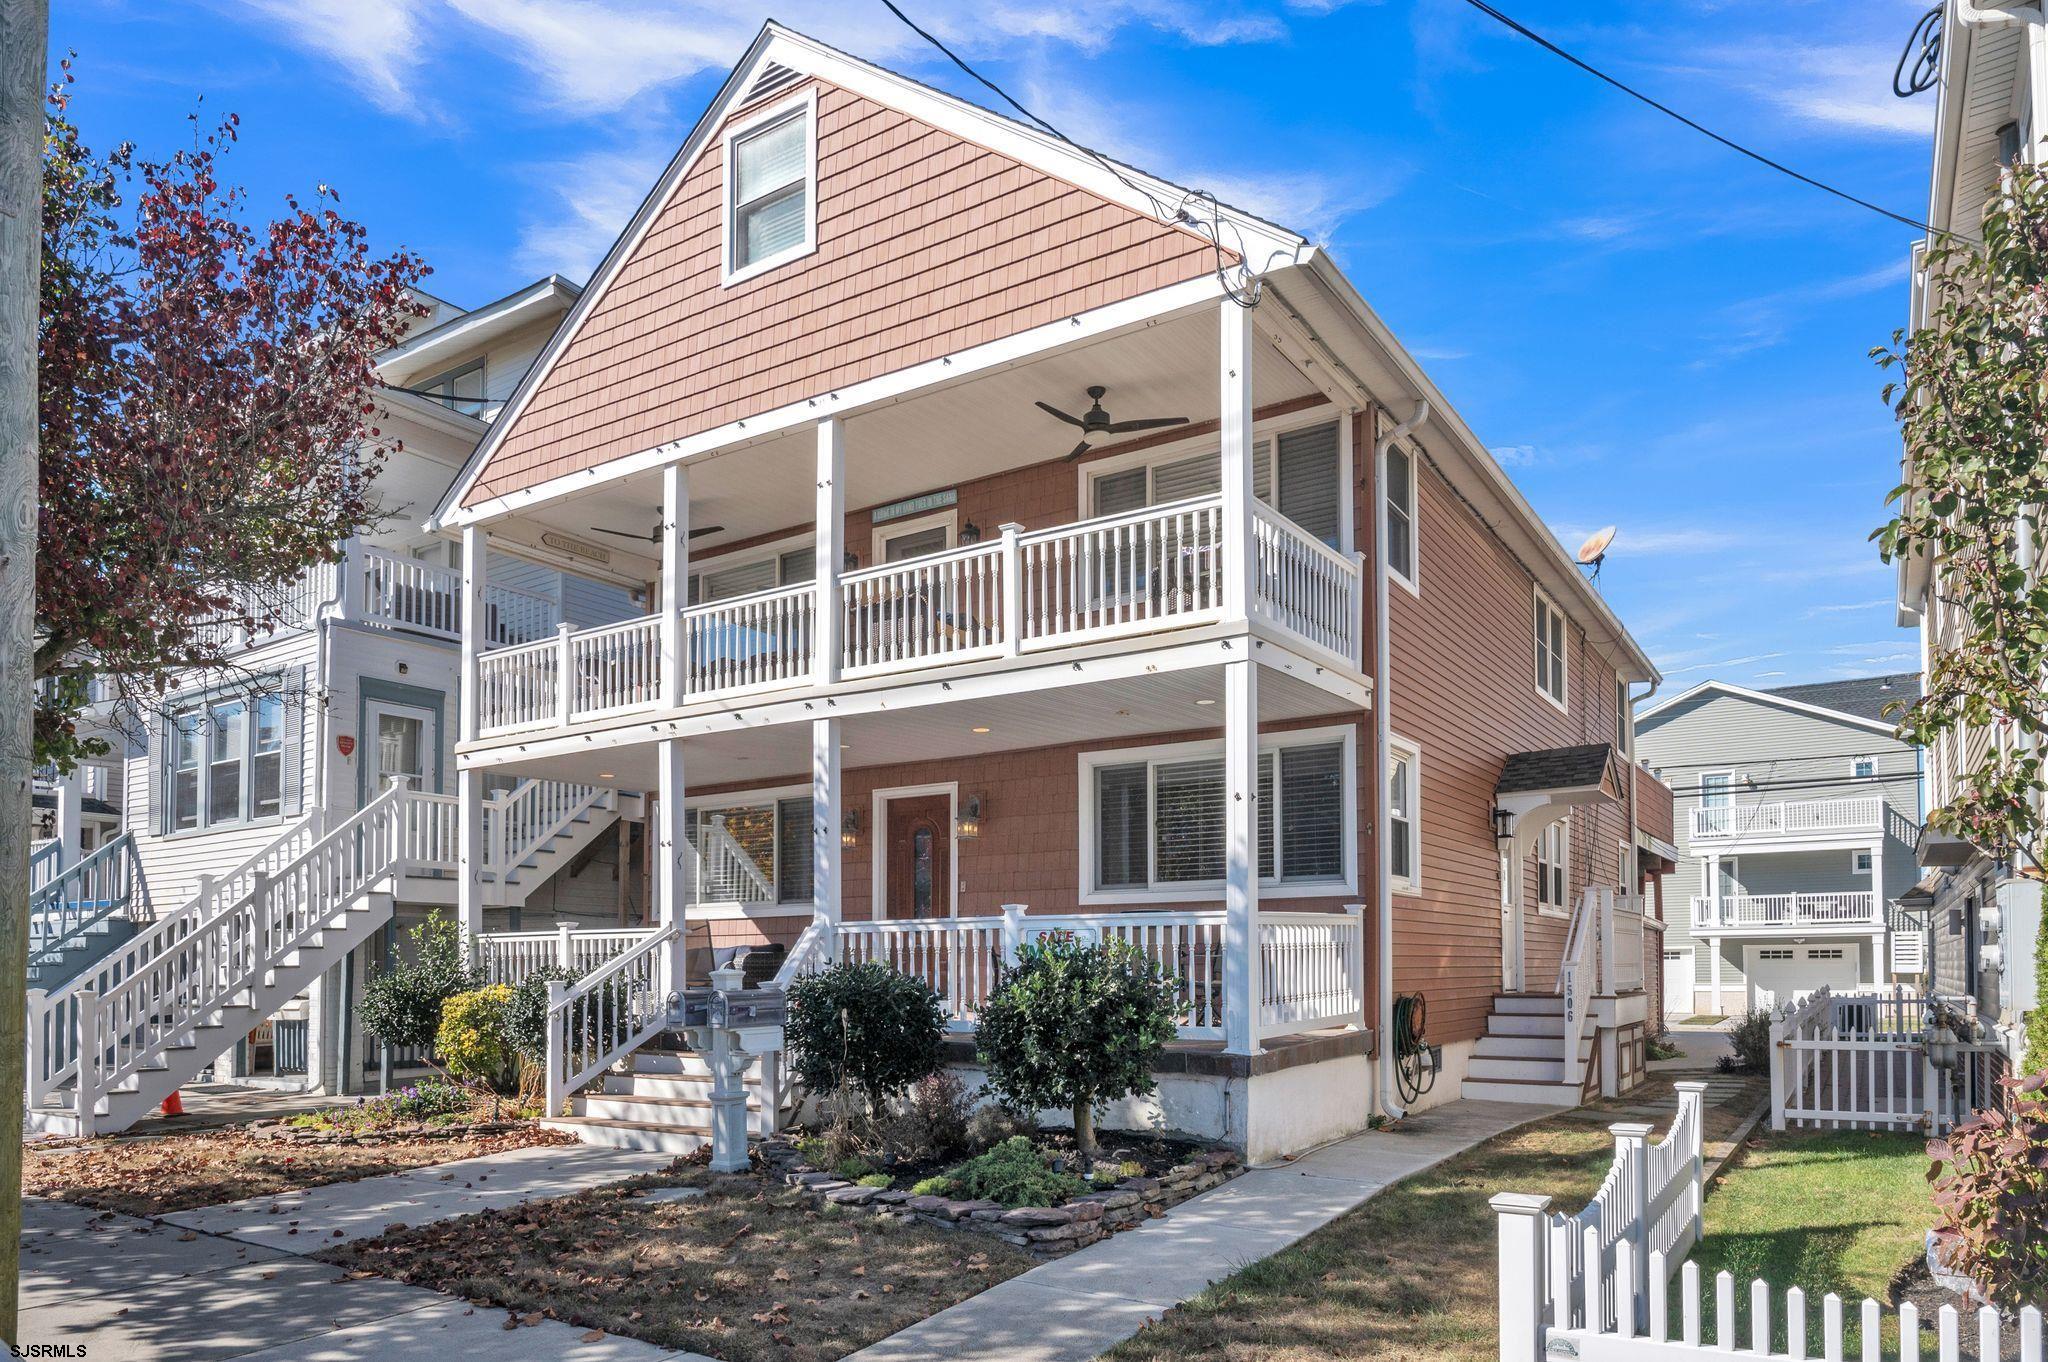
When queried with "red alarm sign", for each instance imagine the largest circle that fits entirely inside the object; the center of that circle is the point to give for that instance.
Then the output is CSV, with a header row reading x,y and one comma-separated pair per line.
x,y
346,742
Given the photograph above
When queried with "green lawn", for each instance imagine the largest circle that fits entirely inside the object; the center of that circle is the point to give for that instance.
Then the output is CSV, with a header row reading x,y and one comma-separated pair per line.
x,y
1840,1212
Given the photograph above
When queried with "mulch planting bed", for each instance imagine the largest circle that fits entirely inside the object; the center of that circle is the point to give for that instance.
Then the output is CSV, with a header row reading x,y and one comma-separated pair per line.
x,y
737,1267
155,1175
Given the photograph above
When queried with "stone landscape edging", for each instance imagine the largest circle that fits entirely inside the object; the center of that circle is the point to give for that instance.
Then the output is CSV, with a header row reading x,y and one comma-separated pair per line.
x,y
1044,1231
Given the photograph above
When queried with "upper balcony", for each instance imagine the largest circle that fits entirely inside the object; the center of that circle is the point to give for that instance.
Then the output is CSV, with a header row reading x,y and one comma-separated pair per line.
x,y
1788,821
1137,576
1769,913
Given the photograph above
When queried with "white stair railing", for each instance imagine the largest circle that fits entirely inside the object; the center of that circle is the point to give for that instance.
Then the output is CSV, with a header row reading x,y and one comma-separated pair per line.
x,y
121,1014
45,859
101,885
533,813
511,957
1577,978
606,1015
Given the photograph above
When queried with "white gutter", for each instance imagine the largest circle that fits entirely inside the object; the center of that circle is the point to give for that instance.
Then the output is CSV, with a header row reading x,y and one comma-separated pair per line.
x,y
1382,724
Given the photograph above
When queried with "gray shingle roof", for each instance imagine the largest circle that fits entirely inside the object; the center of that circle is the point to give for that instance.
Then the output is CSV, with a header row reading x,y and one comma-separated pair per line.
x,y
1554,768
1865,697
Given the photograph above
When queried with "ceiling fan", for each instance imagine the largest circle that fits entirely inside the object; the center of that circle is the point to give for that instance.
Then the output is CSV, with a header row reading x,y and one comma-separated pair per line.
x,y
653,536
1095,421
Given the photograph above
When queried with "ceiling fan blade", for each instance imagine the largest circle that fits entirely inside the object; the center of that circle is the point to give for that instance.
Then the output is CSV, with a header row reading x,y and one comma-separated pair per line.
x,y
706,529
627,534
1078,451
1126,427
1051,410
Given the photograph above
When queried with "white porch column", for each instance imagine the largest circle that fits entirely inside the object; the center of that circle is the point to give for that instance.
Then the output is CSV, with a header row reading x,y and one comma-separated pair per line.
x,y
1712,867
1235,376
831,542
671,854
1713,944
1241,987
469,784
469,850
475,627
70,794
675,578
827,816
1881,913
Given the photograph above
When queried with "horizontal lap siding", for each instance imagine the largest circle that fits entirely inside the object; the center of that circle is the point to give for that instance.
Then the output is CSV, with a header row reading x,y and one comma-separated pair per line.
x,y
1464,692
927,245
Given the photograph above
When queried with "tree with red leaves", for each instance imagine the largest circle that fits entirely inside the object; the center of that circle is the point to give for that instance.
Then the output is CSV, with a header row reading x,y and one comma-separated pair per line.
x,y
208,402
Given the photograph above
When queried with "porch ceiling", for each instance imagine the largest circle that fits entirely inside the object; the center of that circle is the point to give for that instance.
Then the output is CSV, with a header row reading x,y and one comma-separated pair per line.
x,y
1164,703
939,438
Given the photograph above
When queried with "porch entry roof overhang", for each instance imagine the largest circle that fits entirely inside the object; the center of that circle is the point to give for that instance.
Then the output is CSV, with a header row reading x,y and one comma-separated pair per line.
x,y
1536,788
1945,850
1171,694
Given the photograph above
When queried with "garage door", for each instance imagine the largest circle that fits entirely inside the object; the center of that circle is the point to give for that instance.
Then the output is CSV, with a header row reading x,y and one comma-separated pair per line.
x,y
1781,974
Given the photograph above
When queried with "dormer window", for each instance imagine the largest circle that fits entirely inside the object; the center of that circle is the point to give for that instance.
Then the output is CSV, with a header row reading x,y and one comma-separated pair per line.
x,y
770,189
460,390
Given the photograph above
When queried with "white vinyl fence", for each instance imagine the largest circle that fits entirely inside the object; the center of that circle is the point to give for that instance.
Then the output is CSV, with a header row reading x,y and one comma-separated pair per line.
x,y
1860,1061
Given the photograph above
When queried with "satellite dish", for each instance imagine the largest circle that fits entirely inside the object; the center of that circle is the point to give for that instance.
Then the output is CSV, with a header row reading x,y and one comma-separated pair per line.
x,y
1595,548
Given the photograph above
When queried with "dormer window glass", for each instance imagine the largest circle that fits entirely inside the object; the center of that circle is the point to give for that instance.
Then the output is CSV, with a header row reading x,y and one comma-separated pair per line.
x,y
771,210
460,390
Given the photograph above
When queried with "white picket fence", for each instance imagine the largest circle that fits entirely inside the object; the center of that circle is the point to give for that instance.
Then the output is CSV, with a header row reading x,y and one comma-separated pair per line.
x,y
1859,1061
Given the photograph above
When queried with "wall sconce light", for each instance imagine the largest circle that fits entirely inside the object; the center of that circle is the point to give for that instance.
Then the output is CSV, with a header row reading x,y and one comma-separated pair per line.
x,y
1503,824
970,533
968,824
849,562
849,829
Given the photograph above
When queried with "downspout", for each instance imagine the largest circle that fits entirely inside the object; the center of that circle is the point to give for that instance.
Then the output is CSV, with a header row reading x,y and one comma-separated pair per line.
x,y
1382,725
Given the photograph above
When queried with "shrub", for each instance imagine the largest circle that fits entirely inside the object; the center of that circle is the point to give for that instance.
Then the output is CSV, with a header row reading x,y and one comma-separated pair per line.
x,y
427,1100
526,1013
1990,1179
874,1180
1750,1039
989,1126
2036,1024
401,1004
932,1186
931,1123
471,1041
863,1031
1015,1173
1073,1024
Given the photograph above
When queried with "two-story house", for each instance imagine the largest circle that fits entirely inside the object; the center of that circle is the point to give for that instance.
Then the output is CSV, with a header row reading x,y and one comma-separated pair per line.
x,y
1798,814
1983,904
1026,544
241,770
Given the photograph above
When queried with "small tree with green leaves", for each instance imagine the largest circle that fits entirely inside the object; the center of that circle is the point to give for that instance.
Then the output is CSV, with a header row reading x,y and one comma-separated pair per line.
x,y
864,1032
401,1003
1075,1025
1974,411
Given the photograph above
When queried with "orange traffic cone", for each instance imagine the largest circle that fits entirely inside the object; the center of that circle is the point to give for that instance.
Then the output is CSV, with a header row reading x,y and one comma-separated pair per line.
x,y
174,1105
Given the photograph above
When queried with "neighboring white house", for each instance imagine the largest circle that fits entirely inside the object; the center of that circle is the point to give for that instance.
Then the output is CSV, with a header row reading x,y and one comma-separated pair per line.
x,y
357,686
1797,816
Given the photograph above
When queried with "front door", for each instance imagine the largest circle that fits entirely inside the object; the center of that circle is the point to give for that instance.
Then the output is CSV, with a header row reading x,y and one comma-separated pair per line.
x,y
918,871
402,741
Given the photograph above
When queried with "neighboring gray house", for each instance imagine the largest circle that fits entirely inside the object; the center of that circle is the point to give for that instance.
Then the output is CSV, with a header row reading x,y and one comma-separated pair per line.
x,y
1797,814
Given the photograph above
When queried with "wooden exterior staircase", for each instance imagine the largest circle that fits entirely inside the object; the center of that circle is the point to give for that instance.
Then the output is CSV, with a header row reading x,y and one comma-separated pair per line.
x,y
79,913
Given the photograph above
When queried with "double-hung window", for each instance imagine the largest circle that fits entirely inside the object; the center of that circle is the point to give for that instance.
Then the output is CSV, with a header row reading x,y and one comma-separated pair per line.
x,y
1550,654
1296,472
770,190
1157,818
1401,516
723,581
755,849
1404,782
1553,853
226,762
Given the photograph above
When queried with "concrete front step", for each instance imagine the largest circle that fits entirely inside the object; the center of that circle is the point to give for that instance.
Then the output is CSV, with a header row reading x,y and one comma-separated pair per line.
x,y
1521,1067
1561,1095
1525,1024
1507,1047
681,1112
1532,1004
650,1136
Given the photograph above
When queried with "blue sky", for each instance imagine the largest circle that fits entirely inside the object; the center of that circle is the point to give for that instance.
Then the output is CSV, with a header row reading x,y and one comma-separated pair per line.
x,y
1647,330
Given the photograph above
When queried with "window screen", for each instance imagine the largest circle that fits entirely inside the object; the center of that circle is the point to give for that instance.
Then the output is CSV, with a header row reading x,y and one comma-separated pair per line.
x,y
1308,480
1189,796
1312,812
1122,829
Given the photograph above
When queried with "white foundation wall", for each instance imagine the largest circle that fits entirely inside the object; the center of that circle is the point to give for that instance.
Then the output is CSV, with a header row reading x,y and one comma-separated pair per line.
x,y
1290,1110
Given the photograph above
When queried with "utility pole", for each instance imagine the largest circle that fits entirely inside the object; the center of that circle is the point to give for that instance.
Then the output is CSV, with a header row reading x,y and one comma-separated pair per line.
x,y
24,46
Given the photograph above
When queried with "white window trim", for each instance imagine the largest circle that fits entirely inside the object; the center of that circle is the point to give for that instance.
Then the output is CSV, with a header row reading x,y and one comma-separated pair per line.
x,y
1401,747
1857,854
1728,789
770,552
878,851
1413,582
724,910
1272,427
896,529
807,100
1213,891
1564,855
244,818
1856,761
1564,640
1624,719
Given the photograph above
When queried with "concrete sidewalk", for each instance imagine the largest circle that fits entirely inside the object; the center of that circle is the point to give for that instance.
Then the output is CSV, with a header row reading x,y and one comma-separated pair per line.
x,y
321,1217
125,1290
1072,1309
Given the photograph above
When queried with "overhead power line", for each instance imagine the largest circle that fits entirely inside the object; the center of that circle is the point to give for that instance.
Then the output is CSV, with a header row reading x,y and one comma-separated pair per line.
x,y
1533,36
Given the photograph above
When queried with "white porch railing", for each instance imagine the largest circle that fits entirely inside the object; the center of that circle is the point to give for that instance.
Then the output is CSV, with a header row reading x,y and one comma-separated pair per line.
x,y
511,957
45,859
398,592
1854,909
517,823
1140,572
105,883
605,1015
1312,965
1788,818
1577,980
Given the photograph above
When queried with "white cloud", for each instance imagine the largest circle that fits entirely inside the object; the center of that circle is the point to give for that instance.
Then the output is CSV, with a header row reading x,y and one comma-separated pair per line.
x,y
1849,607
1642,542
1846,89
1720,662
378,41
1515,456
591,201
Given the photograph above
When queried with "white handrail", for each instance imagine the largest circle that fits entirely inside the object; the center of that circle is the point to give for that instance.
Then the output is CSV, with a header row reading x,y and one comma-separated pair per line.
x,y
1789,817
510,957
945,606
605,1015
92,889
1306,585
754,642
1576,978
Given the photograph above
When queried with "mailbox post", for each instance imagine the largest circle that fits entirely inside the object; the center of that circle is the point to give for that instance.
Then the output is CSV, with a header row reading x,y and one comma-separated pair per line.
x,y
737,1025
